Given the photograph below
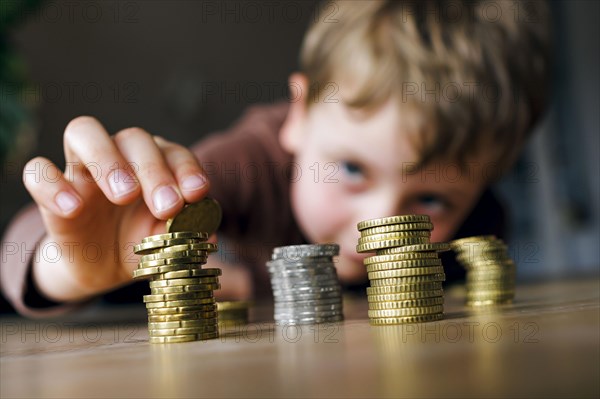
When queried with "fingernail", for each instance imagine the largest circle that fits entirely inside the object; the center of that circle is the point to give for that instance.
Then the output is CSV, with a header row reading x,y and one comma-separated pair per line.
x,y
164,198
121,183
193,182
67,202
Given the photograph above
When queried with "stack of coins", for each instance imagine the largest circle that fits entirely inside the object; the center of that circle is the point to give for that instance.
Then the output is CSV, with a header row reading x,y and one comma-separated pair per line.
x,y
490,270
181,306
406,273
305,284
233,314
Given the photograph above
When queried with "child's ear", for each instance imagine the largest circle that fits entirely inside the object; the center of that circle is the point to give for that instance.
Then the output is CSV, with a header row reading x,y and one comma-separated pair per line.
x,y
292,131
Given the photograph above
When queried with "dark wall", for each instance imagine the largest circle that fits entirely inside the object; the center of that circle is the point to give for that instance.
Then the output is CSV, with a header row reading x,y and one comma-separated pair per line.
x,y
179,69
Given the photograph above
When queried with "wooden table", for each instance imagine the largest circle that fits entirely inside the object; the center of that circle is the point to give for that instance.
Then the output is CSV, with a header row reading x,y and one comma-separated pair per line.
x,y
547,345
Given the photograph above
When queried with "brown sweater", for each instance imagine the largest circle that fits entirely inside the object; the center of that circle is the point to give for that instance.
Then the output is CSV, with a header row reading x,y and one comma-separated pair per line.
x,y
248,172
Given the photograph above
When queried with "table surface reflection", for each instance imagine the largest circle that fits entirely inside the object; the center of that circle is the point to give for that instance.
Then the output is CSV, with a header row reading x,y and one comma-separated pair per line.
x,y
546,344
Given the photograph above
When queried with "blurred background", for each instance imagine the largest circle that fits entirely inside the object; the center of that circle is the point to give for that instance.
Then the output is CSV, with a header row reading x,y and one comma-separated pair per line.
x,y
183,69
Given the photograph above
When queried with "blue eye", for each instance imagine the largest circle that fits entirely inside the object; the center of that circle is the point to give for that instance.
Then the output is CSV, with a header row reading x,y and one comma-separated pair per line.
x,y
433,202
353,175
351,168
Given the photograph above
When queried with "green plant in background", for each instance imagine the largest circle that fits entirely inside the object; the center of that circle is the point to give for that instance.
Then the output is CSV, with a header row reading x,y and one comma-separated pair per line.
x,y
15,115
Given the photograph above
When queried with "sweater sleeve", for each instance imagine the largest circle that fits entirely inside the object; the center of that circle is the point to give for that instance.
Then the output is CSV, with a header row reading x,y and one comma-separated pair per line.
x,y
19,246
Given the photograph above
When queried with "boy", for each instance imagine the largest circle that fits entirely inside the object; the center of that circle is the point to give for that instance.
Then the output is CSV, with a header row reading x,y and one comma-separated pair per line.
x,y
400,108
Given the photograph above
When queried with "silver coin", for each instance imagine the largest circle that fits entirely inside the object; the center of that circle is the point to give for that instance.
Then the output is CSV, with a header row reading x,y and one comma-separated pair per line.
x,y
300,281
304,274
305,251
301,267
297,312
306,314
308,277
290,284
311,320
328,303
307,296
304,267
310,290
308,260
311,302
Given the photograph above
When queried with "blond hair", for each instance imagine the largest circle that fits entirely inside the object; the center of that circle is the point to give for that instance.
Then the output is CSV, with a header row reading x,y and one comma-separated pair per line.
x,y
475,71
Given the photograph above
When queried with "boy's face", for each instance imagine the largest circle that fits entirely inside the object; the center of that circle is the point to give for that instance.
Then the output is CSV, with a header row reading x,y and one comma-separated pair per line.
x,y
354,167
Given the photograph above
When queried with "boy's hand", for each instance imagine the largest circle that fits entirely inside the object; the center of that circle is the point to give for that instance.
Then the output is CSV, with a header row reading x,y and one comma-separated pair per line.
x,y
114,191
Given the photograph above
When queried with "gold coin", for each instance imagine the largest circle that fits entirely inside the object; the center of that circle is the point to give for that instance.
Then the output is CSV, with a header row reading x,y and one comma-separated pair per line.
x,y
204,215
160,325
491,267
500,277
209,272
403,296
182,309
473,288
474,239
482,250
200,287
367,224
372,246
198,330
190,316
403,264
192,323
490,302
179,303
405,288
397,227
428,247
188,282
399,257
194,281
499,291
179,261
201,246
393,236
406,311
170,290
488,294
413,303
233,305
498,295
409,271
180,288
224,324
151,246
225,315
490,298
157,332
491,284
175,255
409,280
405,320
150,271
177,234
183,338
177,296
173,339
